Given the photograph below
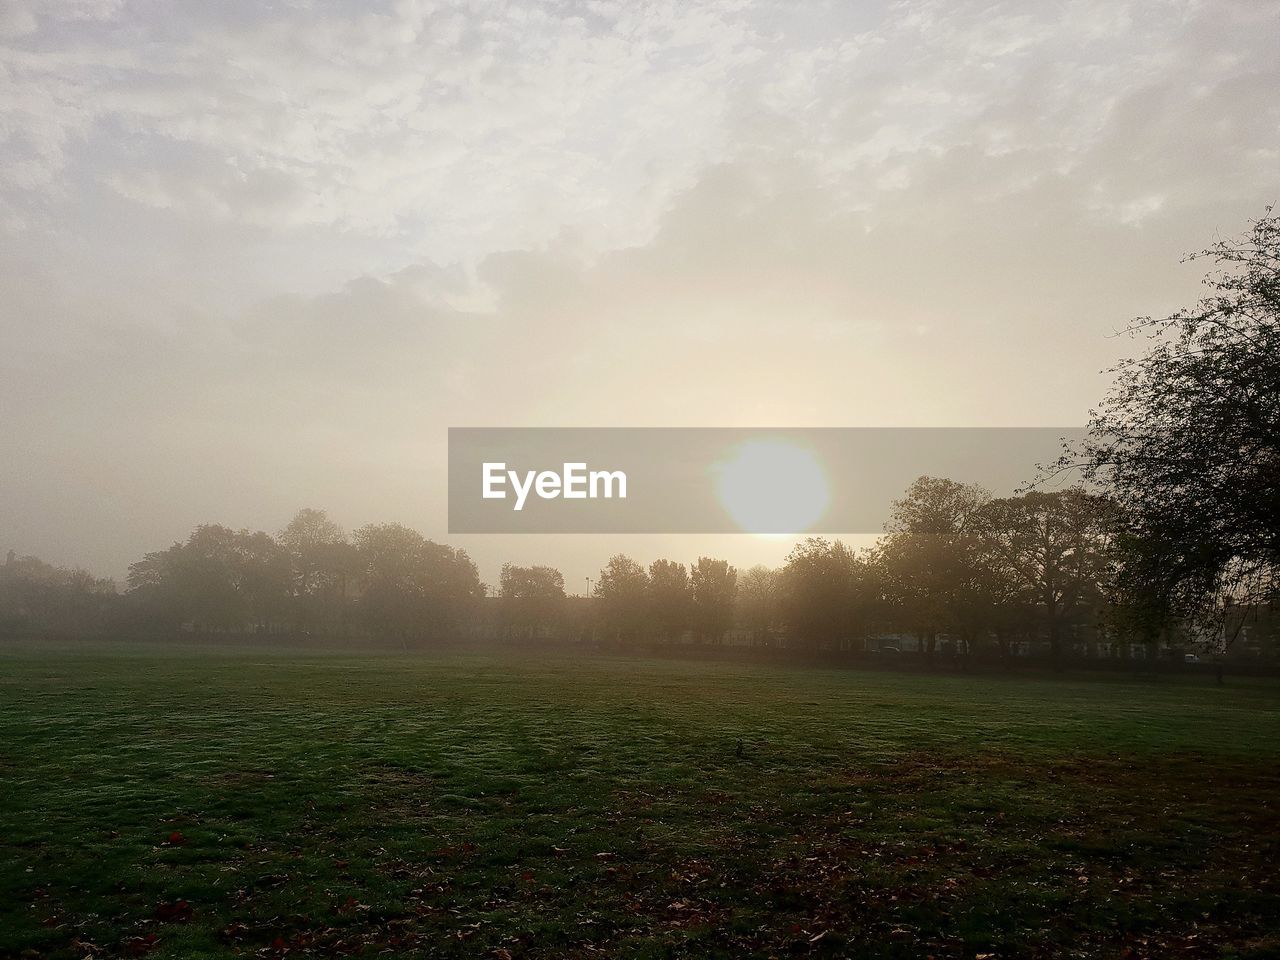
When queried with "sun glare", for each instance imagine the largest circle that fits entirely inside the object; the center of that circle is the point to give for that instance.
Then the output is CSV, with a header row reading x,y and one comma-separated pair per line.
x,y
772,487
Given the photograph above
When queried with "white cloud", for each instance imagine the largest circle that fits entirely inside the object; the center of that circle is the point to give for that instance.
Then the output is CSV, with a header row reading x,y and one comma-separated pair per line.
x,y
247,234
443,126
459,128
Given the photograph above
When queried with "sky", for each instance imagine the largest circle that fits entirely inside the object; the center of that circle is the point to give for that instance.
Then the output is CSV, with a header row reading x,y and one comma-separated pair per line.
x,y
256,256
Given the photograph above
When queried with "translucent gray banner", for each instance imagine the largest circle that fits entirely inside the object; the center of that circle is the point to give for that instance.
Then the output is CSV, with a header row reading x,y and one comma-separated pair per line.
x,y
721,480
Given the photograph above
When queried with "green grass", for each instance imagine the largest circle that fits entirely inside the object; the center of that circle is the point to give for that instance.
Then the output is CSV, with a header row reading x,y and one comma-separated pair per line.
x,y
188,803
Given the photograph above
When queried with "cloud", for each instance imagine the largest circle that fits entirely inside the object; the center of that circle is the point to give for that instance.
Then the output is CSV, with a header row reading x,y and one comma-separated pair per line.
x,y
457,129
255,256
442,125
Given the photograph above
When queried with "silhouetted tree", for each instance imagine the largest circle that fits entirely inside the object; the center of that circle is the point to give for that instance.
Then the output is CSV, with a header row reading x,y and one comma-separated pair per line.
x,y
1187,442
36,597
411,586
306,540
532,599
1056,550
715,587
218,579
670,598
930,558
827,591
623,592
324,568
759,604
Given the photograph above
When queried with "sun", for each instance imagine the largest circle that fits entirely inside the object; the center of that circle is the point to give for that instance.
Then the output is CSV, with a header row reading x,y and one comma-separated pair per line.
x,y
772,487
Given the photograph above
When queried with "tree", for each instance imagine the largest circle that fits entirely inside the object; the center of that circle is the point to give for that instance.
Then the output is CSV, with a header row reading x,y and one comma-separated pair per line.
x,y
36,597
263,569
1056,552
532,599
715,587
451,586
219,578
760,602
324,566
670,598
930,558
411,586
391,601
827,591
622,589
1187,443
307,539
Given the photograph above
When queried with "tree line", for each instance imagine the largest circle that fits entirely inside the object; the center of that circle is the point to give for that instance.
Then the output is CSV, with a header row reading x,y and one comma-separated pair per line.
x,y
958,571
1172,536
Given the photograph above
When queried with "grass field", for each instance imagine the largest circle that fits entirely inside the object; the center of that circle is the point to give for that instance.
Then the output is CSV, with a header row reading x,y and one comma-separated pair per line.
x,y
189,803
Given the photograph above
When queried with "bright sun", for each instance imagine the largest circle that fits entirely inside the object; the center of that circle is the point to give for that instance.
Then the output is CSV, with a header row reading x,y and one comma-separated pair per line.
x,y
772,486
